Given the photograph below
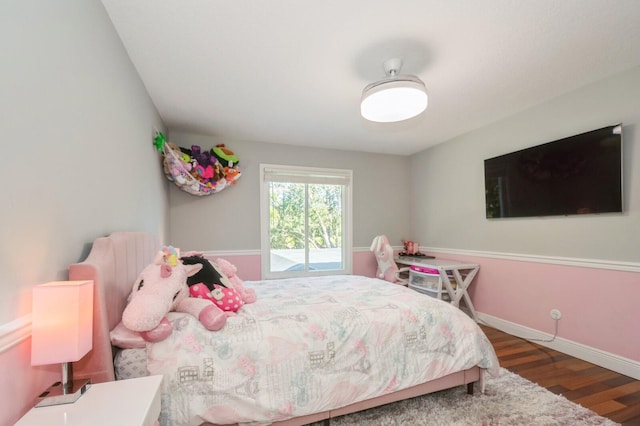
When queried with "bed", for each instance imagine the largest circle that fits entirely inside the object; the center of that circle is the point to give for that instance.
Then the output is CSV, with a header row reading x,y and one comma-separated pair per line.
x,y
305,351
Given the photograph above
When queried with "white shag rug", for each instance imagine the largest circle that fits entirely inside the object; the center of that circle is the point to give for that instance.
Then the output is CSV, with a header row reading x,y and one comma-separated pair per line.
x,y
509,400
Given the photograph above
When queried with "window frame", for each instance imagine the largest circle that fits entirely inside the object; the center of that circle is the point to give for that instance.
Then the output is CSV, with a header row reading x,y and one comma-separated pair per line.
x,y
317,175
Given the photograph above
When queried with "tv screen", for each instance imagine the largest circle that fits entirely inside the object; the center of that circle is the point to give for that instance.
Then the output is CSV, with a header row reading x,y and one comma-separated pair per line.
x,y
581,174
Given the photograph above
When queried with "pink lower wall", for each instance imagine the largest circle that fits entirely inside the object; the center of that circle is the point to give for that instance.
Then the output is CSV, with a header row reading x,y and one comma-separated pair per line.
x,y
364,263
249,266
22,383
600,308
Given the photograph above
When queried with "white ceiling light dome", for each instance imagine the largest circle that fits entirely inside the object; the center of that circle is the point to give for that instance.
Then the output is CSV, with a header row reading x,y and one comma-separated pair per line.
x,y
395,98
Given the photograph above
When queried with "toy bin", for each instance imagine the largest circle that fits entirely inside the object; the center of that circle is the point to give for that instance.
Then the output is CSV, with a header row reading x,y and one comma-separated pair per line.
x,y
424,270
427,283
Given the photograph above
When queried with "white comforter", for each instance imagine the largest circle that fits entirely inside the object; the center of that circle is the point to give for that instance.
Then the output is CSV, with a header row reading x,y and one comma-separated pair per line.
x,y
310,345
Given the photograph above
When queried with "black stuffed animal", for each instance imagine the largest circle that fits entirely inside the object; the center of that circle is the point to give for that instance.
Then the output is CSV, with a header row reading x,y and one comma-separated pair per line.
x,y
208,275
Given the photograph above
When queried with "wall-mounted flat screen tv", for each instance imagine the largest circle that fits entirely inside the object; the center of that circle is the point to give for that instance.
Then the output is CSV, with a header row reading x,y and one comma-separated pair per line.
x,y
581,174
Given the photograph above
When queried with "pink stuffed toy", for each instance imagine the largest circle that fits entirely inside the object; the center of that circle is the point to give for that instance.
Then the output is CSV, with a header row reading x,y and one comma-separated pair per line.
x,y
217,282
160,288
229,269
225,298
387,268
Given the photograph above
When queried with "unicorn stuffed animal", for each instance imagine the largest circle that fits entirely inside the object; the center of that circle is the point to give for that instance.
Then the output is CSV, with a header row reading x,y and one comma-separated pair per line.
x,y
161,288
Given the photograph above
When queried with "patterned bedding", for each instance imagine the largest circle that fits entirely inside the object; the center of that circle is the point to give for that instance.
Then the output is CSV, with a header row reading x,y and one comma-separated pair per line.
x,y
309,345
130,363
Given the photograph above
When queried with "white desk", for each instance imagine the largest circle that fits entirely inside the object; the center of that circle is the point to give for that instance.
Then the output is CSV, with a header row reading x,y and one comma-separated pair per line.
x,y
446,267
132,402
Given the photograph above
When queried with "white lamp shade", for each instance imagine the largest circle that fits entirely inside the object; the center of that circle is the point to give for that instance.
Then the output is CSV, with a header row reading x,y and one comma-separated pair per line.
x,y
395,99
62,322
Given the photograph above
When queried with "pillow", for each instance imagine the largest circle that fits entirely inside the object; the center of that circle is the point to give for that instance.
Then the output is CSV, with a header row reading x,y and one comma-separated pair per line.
x,y
124,338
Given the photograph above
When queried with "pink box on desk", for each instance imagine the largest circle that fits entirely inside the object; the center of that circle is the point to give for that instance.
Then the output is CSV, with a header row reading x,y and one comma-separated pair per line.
x,y
424,270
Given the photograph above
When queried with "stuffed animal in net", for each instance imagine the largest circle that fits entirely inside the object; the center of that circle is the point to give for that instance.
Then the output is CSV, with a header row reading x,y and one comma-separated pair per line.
x,y
162,287
213,284
197,171
225,156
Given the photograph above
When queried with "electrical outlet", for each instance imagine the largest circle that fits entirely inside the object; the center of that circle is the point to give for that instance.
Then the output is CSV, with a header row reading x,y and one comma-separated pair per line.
x,y
555,314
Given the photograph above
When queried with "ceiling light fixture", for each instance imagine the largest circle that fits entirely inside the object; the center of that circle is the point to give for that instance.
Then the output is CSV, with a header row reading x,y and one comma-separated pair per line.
x,y
394,98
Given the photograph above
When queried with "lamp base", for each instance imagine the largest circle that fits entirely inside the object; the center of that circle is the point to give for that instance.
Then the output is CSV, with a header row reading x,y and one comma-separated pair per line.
x,y
57,394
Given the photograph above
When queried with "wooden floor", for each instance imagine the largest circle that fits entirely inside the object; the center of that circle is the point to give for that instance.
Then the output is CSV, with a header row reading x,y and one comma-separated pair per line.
x,y
609,394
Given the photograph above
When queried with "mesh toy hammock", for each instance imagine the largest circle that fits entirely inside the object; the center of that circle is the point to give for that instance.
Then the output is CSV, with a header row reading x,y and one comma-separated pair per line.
x,y
196,172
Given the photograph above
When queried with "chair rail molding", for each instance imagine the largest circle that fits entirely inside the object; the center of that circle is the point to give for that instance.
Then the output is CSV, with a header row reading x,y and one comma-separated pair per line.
x,y
220,253
14,332
555,260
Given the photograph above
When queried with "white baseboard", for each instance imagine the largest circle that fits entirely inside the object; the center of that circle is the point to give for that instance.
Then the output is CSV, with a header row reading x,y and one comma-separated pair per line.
x,y
610,361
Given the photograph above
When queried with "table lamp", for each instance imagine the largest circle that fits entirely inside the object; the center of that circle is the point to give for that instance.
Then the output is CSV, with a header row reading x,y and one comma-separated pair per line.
x,y
62,332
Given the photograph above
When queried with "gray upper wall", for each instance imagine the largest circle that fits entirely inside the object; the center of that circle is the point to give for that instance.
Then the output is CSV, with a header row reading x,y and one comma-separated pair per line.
x,y
76,129
452,174
436,197
230,219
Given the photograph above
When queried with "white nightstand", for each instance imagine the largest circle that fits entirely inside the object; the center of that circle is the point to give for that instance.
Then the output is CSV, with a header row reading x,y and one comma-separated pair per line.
x,y
132,402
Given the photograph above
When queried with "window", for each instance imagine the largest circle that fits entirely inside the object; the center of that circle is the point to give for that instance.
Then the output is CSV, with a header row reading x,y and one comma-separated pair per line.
x,y
305,221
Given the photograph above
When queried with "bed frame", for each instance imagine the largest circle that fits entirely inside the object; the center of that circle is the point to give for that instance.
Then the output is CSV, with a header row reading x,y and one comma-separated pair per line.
x,y
115,262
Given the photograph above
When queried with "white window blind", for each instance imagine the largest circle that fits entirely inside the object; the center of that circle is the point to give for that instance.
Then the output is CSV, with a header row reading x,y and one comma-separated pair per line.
x,y
308,175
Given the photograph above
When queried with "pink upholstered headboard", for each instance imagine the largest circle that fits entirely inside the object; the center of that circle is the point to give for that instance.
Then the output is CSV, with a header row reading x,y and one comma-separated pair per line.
x,y
113,264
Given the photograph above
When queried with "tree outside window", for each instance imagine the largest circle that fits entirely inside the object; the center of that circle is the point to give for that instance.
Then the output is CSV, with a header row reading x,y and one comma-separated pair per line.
x,y
306,215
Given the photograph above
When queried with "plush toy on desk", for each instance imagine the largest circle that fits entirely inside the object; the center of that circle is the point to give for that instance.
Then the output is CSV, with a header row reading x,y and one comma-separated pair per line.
x,y
161,288
212,282
411,248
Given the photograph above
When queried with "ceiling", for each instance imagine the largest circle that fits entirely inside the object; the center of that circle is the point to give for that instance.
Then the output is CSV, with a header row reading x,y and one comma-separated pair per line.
x,y
292,71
